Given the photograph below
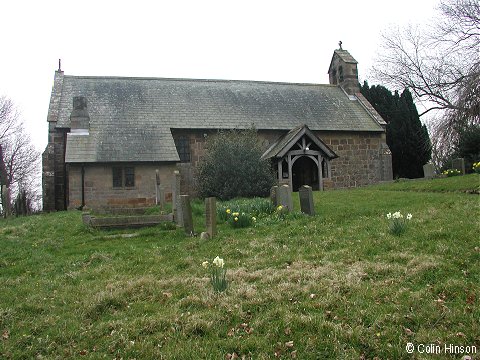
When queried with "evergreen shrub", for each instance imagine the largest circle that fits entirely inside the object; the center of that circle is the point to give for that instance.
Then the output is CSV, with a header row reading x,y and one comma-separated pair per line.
x,y
232,166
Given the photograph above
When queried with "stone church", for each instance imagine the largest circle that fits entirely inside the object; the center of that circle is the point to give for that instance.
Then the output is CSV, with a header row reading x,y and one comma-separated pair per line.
x,y
108,136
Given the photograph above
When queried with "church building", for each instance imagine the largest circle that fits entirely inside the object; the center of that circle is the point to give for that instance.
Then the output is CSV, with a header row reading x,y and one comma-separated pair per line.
x,y
108,136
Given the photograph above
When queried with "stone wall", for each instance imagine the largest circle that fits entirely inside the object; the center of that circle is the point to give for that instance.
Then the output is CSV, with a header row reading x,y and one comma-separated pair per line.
x,y
359,163
360,160
54,181
100,193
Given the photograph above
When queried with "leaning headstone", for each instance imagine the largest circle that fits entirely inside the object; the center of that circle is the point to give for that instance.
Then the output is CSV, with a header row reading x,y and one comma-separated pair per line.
x,y
459,164
211,216
306,200
428,171
273,195
176,208
284,197
186,211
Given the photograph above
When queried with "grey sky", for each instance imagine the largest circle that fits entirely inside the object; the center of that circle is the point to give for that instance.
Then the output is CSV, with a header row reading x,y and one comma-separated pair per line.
x,y
287,41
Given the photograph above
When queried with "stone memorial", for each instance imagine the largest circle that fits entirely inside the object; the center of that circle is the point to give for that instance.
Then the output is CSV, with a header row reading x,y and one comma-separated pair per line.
x,y
284,197
428,171
211,216
186,212
306,200
176,208
459,164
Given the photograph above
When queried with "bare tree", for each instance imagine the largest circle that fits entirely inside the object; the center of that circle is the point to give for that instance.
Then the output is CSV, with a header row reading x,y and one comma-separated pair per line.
x,y
18,157
440,64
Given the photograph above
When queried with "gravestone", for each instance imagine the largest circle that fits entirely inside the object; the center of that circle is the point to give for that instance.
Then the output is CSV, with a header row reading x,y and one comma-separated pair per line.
x,y
428,171
459,164
273,195
306,200
211,216
284,197
176,208
187,219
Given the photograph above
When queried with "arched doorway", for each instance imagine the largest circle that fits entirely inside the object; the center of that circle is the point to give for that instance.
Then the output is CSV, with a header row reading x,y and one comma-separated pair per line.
x,y
304,172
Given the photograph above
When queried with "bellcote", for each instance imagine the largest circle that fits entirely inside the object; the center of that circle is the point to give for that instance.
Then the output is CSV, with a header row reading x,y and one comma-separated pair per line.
x,y
343,71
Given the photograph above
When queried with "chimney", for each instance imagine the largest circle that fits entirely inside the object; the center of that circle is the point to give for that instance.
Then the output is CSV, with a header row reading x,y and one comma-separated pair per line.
x,y
343,71
79,118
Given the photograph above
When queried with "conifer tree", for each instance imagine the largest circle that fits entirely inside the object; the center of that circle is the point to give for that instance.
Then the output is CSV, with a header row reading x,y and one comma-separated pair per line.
x,y
406,136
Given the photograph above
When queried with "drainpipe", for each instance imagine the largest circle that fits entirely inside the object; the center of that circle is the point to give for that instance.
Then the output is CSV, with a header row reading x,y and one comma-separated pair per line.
x,y
83,188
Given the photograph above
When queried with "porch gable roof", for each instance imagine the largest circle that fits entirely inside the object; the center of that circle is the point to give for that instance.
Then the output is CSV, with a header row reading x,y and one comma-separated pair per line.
x,y
283,145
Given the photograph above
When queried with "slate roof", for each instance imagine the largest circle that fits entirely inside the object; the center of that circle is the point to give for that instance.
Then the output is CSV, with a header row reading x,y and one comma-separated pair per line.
x,y
131,118
285,143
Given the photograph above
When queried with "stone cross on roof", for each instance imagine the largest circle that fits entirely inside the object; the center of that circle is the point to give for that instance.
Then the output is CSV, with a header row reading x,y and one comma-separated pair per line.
x,y
340,44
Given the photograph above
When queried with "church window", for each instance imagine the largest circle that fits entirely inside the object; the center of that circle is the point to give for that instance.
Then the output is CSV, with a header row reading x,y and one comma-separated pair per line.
x,y
340,74
129,176
123,176
117,176
183,148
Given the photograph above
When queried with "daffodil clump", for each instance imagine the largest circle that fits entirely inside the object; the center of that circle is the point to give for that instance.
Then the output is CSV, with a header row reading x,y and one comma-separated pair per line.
x,y
476,167
239,219
451,172
398,223
281,211
217,274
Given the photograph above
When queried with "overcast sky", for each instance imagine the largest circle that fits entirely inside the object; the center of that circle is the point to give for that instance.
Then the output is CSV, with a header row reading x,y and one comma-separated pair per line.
x,y
286,41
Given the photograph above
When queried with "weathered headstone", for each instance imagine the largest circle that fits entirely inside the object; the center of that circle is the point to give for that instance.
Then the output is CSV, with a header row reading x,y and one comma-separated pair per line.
x,y
459,164
211,216
273,195
187,219
306,200
428,171
284,197
176,208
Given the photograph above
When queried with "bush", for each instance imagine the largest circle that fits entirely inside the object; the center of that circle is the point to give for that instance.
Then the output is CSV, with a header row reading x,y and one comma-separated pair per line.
x,y
232,166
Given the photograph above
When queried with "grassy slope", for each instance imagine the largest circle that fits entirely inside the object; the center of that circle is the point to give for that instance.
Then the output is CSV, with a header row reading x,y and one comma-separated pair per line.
x,y
68,291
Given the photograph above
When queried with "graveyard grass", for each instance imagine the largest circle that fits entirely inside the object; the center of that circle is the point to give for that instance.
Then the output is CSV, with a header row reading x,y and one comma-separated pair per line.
x,y
336,285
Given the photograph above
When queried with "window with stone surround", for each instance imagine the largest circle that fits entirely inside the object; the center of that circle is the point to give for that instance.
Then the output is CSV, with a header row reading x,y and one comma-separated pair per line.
x,y
182,144
123,176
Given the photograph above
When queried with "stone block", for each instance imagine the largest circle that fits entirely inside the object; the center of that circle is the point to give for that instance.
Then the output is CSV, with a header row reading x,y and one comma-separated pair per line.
x,y
459,164
305,194
284,197
186,212
428,171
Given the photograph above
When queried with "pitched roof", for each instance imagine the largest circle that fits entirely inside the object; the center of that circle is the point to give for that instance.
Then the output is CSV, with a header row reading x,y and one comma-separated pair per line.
x,y
131,118
344,55
279,148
